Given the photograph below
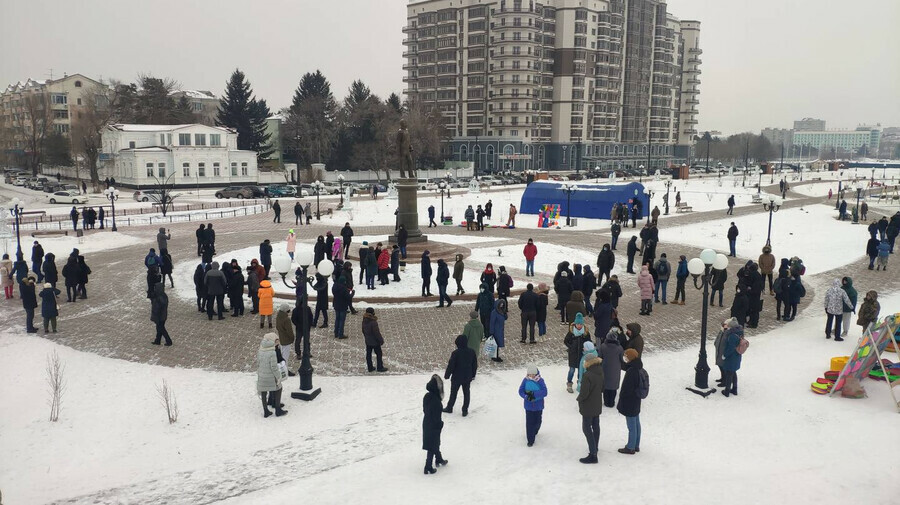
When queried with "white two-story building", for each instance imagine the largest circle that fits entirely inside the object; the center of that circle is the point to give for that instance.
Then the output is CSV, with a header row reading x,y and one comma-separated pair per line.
x,y
184,155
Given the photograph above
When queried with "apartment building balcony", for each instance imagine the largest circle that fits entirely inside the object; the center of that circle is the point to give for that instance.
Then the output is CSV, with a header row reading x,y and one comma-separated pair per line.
x,y
693,81
409,66
411,52
409,40
690,121
694,60
695,50
409,28
691,91
692,101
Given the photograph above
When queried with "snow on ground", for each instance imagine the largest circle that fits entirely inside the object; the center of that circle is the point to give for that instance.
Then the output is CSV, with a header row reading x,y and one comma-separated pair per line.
x,y
775,442
709,193
812,233
62,246
549,256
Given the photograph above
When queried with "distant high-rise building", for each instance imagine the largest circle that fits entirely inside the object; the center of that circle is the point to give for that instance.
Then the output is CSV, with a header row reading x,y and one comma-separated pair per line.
x,y
779,136
809,124
846,140
556,84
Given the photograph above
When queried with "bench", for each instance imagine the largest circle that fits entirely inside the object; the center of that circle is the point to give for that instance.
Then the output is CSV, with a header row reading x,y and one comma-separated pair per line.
x,y
33,213
50,233
757,199
683,207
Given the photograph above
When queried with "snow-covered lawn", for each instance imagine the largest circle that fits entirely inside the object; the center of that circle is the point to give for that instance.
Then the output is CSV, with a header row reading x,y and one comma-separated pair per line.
x,y
549,256
812,233
775,442
93,242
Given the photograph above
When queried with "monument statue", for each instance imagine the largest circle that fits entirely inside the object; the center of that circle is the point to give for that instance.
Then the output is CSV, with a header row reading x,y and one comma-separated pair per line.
x,y
404,152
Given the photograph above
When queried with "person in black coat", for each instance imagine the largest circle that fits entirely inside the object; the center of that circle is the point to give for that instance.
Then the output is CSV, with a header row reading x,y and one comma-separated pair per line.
x,y
236,289
321,287
650,251
29,302
209,237
71,275
563,294
614,289
265,256
528,305
606,260
588,286
756,284
37,257
84,272
318,250
615,230
872,251
504,284
395,263
732,239
276,207
426,273
402,238
461,370
200,288
159,313
432,423
329,245
363,255
602,316
740,306
443,279
431,216
718,284
631,251
630,400
300,331
74,215
51,275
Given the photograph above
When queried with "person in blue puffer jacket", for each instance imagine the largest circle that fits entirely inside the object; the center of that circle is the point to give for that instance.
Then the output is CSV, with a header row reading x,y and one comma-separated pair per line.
x,y
681,275
533,390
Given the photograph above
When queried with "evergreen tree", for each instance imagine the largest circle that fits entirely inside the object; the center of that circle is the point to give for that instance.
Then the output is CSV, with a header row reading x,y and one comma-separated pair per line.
x,y
240,110
395,103
150,101
310,125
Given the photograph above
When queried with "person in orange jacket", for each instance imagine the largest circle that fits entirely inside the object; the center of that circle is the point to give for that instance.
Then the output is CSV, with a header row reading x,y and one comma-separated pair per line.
x,y
266,303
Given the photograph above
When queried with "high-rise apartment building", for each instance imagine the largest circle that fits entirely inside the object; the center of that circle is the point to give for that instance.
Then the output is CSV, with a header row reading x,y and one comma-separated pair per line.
x,y
779,136
810,124
557,84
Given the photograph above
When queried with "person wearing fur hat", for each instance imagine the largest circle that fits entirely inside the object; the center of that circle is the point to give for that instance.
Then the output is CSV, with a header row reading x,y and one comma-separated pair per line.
x,y
611,353
574,341
543,301
268,376
372,334
590,403
630,401
498,324
461,370
432,424
868,311
533,390
286,333
49,306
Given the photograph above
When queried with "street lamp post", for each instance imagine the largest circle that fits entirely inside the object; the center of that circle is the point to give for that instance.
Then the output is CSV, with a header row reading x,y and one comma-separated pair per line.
x,y
305,274
649,197
641,174
447,178
569,189
441,186
859,190
774,203
16,210
112,194
701,269
318,185
340,178
759,185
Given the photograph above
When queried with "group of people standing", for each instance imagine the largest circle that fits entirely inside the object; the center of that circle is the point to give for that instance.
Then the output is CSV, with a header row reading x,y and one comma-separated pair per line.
x,y
89,217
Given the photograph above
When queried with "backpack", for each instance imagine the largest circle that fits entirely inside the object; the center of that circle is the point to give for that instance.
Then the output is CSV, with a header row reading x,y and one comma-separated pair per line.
x,y
743,345
643,384
663,268
778,286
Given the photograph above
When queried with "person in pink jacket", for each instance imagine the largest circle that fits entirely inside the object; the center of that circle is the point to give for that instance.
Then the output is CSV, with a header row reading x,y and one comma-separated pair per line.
x,y
291,243
645,282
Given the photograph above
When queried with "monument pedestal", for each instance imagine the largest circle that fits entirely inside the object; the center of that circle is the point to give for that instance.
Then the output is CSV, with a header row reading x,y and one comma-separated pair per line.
x,y
408,210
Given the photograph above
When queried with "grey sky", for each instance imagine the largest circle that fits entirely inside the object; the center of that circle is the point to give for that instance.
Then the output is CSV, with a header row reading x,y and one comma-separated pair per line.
x,y
765,62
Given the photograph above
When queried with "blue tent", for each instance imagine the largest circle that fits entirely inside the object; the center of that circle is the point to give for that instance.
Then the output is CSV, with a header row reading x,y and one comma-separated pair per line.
x,y
592,201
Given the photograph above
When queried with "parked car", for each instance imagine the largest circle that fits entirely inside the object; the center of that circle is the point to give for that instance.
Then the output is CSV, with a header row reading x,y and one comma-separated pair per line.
x,y
20,180
281,191
234,192
10,176
331,188
257,191
426,184
489,180
36,183
72,197
153,195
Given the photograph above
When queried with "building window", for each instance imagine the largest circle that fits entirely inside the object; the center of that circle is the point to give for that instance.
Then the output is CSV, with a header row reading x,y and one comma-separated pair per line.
x,y
186,169
215,139
201,169
58,99
184,139
199,139
162,139
233,169
79,101
131,145
244,170
77,84
162,170
149,169
216,171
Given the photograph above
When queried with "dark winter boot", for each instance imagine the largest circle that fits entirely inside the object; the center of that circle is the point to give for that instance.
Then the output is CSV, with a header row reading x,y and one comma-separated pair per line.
x,y
589,459
279,411
266,412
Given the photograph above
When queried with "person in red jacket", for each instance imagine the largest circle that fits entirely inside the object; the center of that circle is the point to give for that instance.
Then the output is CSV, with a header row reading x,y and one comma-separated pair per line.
x,y
384,266
530,252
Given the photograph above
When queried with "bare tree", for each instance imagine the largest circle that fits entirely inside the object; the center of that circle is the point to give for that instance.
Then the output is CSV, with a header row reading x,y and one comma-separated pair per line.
x,y
33,122
167,398
427,132
57,382
164,196
96,112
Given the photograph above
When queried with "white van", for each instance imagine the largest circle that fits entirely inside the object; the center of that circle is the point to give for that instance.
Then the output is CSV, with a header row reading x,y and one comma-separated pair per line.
x,y
426,185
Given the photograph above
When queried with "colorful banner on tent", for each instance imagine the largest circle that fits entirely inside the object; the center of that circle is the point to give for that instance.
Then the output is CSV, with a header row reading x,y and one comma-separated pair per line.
x,y
548,217
868,352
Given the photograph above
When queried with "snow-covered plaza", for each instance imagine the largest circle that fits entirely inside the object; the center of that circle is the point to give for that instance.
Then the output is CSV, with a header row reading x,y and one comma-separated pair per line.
x,y
774,442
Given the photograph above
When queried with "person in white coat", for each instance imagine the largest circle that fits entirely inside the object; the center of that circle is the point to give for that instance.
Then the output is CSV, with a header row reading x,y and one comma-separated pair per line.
x,y
268,376
835,299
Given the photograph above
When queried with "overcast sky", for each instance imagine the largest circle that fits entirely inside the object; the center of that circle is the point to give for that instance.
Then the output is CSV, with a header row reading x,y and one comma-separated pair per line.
x,y
765,62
